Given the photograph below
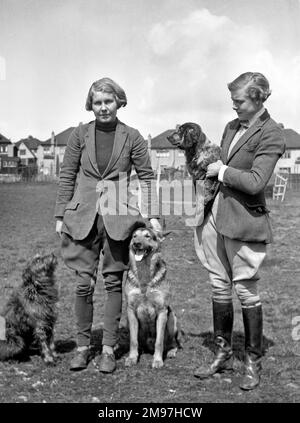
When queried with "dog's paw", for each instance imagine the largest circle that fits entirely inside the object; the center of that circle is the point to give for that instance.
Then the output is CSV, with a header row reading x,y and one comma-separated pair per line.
x,y
157,363
172,353
131,361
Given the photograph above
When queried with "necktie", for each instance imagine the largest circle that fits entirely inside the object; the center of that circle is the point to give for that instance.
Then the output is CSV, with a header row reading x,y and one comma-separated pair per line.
x,y
244,124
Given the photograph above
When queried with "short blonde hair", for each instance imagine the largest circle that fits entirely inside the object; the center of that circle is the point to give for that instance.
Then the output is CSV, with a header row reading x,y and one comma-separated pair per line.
x,y
106,85
257,85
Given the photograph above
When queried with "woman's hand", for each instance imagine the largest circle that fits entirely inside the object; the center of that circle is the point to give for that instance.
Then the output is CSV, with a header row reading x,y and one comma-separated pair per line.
x,y
214,168
58,228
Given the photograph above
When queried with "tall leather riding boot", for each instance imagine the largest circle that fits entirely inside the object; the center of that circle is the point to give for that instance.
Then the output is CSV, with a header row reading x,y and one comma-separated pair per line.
x,y
223,322
253,324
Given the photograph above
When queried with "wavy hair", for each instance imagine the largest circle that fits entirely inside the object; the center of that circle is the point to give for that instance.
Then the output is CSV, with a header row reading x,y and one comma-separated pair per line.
x,y
106,85
257,85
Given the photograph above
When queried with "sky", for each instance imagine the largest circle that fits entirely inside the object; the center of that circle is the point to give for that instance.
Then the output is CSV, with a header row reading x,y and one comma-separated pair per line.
x,y
173,58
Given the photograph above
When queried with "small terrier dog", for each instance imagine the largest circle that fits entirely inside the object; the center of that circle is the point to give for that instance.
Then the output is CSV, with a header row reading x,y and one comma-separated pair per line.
x,y
152,323
199,153
30,313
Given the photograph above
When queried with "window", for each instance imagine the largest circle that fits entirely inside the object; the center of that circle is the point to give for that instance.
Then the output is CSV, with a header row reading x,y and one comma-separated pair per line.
x,y
297,161
285,170
286,155
9,164
46,149
3,149
180,154
162,153
22,152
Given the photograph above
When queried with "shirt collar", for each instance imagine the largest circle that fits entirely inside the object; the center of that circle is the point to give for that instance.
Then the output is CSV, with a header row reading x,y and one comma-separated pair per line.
x,y
246,124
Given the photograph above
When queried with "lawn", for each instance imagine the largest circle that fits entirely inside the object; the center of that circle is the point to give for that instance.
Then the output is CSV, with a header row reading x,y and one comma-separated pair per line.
x,y
27,226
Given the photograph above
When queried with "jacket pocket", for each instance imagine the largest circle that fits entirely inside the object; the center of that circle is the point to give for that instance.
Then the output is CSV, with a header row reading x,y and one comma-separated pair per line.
x,y
258,208
250,146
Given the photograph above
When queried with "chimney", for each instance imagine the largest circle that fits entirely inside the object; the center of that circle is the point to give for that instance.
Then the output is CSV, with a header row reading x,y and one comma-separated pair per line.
x,y
52,142
149,139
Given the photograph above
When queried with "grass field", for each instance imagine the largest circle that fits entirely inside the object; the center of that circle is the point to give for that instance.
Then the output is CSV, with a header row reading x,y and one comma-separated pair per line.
x,y
27,226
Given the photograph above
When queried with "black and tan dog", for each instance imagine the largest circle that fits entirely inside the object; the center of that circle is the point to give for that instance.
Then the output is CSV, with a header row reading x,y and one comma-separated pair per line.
x,y
152,323
199,153
30,313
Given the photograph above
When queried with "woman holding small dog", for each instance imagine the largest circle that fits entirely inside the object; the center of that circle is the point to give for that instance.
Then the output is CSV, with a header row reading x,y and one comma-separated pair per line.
x,y
231,243
93,213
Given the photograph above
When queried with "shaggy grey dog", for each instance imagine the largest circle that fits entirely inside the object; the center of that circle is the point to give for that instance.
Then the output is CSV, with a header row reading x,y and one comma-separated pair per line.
x,y
199,153
30,313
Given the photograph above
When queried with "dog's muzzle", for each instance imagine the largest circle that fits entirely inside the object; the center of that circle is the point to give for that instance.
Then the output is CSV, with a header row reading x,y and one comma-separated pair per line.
x,y
139,251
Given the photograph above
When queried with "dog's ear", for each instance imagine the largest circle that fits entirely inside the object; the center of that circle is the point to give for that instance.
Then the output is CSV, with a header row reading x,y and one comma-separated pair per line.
x,y
202,138
136,226
191,133
190,125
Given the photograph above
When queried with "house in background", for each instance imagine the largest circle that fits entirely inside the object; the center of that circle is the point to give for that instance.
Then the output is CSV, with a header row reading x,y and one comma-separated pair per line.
x,y
27,150
7,147
163,154
53,151
45,156
290,161
9,161
4,143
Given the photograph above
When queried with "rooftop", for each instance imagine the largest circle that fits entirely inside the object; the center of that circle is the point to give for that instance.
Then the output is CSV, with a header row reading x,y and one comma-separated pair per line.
x,y
292,139
30,142
4,140
160,142
60,139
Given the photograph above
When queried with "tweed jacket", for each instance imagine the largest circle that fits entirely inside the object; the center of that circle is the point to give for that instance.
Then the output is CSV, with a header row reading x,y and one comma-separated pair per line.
x,y
83,191
241,211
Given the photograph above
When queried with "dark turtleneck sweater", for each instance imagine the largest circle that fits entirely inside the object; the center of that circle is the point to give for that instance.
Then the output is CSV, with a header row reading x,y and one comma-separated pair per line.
x,y
104,138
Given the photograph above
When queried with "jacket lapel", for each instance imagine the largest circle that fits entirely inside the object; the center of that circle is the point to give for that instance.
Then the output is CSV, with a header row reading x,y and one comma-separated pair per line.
x,y
90,143
119,141
245,137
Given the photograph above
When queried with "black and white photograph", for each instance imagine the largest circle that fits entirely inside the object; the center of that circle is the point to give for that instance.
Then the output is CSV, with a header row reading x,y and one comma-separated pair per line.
x,y
150,206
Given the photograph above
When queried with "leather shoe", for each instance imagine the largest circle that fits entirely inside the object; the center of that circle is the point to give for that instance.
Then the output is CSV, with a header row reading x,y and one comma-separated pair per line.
x,y
223,360
107,363
80,360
